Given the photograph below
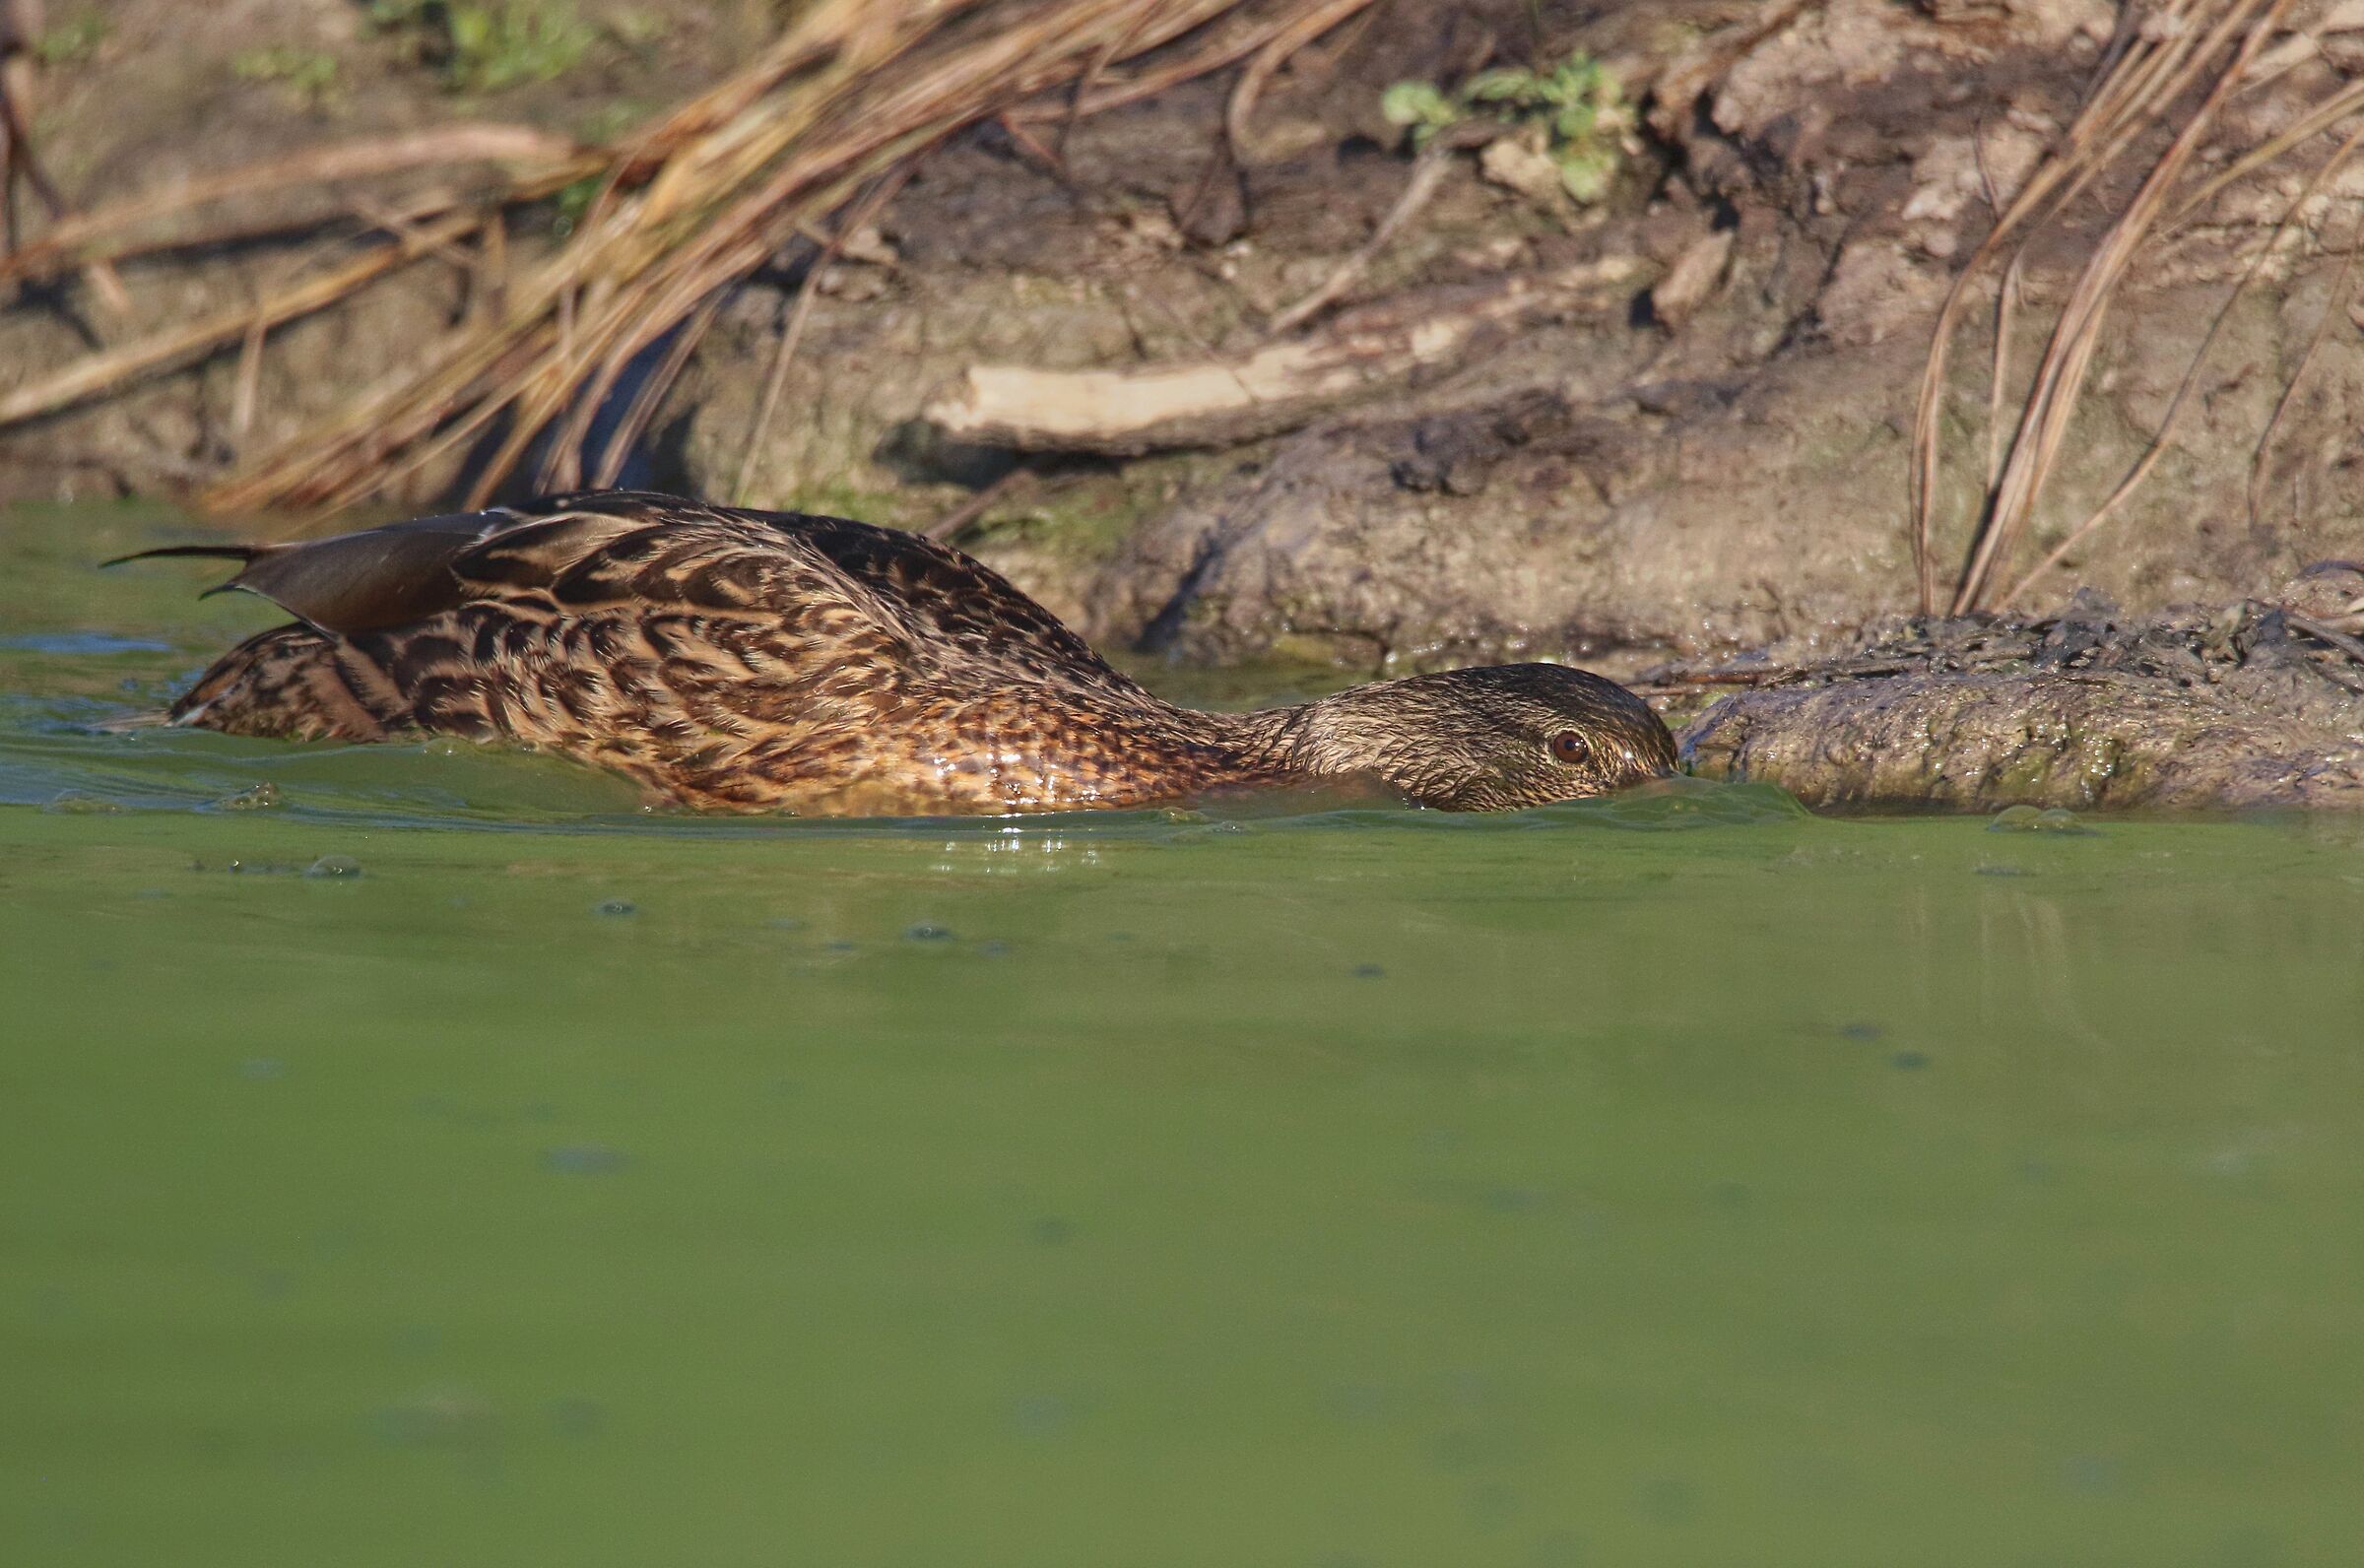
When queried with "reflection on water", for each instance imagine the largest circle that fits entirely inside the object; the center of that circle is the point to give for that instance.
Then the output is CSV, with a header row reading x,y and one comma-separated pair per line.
x,y
416,1154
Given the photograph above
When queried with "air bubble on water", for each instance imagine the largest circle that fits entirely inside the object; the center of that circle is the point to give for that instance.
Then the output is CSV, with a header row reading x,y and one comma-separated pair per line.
x,y
2030,820
334,866
616,907
1040,1415
584,1159
575,1415
927,931
260,797
447,1413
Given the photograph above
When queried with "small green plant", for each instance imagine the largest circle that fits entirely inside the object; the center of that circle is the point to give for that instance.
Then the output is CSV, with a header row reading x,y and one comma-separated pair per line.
x,y
307,73
566,209
72,40
634,27
1577,109
485,45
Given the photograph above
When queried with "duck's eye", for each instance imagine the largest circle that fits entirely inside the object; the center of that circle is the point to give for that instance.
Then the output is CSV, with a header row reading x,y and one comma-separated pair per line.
x,y
1570,745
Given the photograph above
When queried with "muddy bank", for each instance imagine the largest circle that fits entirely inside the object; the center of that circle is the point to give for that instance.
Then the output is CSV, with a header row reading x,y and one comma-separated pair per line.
x,y
2259,704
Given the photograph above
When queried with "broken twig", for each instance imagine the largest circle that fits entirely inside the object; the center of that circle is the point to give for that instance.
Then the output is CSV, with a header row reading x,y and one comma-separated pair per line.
x,y
1427,175
1219,402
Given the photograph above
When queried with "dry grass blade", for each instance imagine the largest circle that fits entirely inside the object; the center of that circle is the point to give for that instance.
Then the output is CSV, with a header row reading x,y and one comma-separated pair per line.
x,y
1009,486
1427,175
2160,440
103,372
1235,45
2045,189
2332,637
1239,114
2347,101
2306,360
2061,374
2133,87
1083,91
775,379
19,26
534,347
104,232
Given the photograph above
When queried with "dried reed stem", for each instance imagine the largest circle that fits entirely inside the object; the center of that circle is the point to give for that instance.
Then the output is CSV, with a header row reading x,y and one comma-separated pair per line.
x,y
2061,374
2161,55
775,378
1241,112
2161,439
103,232
704,196
104,372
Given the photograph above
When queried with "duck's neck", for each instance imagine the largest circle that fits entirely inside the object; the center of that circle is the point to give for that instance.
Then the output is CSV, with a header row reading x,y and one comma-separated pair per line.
x,y
1390,735
1260,743
1297,745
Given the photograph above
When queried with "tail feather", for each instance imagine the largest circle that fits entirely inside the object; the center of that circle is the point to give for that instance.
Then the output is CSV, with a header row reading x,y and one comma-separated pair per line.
x,y
237,553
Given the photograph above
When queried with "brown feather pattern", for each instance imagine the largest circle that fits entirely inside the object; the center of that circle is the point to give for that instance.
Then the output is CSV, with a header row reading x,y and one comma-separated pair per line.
x,y
760,661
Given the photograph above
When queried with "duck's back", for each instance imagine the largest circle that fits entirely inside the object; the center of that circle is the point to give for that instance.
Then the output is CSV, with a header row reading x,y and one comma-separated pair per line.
x,y
731,657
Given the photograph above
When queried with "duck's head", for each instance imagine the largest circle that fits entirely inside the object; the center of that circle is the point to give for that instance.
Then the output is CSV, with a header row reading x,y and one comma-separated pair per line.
x,y
1490,740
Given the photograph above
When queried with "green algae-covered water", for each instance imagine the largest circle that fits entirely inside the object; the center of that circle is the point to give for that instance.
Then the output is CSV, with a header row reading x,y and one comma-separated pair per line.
x,y
417,1155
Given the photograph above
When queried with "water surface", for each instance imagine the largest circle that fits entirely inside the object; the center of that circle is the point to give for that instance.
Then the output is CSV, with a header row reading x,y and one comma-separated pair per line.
x,y
419,1154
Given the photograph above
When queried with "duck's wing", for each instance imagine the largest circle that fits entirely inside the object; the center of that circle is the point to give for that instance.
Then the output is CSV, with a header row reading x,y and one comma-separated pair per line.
x,y
943,604
945,598
613,548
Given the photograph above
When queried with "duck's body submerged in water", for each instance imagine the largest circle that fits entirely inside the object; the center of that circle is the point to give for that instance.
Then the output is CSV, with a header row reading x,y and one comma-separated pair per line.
x,y
766,661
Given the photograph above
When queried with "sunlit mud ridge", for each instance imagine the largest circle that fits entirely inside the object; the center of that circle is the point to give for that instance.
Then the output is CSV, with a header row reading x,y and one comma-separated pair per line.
x,y
2260,704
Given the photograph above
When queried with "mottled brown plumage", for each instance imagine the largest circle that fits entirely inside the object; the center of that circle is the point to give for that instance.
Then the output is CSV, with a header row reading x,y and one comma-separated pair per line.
x,y
766,661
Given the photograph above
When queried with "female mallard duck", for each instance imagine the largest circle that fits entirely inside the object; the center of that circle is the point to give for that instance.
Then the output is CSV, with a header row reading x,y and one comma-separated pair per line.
x,y
770,661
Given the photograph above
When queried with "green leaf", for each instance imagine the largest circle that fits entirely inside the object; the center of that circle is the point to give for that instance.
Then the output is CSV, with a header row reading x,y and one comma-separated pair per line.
x,y
1587,175
1504,85
471,31
1573,123
1578,77
71,41
1417,103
